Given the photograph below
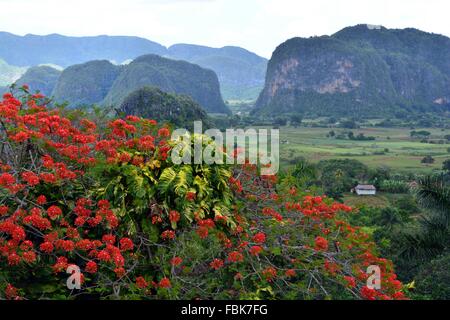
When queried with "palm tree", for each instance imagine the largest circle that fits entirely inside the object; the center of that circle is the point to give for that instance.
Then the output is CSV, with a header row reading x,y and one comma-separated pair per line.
x,y
305,172
339,173
433,236
434,195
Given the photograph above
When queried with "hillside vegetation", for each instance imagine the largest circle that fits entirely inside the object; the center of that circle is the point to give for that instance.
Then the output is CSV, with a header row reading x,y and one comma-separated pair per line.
x,y
178,110
171,76
86,83
359,71
42,79
240,72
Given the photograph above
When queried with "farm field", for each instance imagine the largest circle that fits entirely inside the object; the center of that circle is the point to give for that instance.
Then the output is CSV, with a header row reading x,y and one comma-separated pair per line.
x,y
393,147
380,200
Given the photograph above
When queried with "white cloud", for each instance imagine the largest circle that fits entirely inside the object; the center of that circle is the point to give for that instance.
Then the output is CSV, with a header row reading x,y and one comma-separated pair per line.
x,y
258,25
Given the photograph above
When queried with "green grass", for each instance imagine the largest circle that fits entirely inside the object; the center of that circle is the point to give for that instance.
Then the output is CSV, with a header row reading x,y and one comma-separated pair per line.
x,y
404,153
380,200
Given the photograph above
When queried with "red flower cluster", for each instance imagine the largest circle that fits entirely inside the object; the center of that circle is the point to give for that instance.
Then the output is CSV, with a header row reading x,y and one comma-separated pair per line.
x,y
321,244
176,261
174,216
164,283
235,256
168,235
141,283
259,237
255,250
216,264
269,273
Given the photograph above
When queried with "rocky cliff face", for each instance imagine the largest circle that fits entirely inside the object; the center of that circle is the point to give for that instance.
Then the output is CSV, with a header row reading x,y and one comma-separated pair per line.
x,y
360,70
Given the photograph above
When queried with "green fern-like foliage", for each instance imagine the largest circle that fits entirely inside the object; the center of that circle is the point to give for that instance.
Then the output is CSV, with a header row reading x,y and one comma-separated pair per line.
x,y
157,187
433,237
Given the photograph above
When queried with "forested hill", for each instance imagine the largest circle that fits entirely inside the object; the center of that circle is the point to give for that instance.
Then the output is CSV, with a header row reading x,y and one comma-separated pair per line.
x,y
179,110
359,71
170,76
101,82
241,72
41,78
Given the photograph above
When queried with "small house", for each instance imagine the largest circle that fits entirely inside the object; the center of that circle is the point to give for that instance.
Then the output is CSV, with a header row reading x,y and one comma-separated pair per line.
x,y
365,190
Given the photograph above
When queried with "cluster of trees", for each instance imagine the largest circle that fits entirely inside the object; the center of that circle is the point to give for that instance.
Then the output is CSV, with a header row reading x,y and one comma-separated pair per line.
x,y
335,177
350,136
418,241
178,110
413,230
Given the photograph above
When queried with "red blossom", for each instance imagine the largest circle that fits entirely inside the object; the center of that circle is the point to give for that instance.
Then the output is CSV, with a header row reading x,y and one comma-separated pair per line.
x,y
259,237
321,244
3,210
126,244
235,256
174,216
41,200
255,250
351,282
164,283
290,273
216,264
163,132
54,212
46,247
91,267
202,232
29,256
141,283
269,273
190,196
11,292
168,235
176,261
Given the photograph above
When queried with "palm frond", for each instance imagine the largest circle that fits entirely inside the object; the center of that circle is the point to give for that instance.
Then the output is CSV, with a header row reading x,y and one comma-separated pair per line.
x,y
434,195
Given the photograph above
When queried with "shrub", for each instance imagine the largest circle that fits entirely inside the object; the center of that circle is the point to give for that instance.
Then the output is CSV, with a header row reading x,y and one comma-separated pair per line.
x,y
433,279
394,186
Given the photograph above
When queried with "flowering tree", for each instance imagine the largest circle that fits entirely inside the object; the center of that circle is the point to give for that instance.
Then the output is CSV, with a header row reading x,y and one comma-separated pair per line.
x,y
106,198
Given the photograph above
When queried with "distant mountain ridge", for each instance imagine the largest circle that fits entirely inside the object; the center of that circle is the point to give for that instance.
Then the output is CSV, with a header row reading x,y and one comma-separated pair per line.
x,y
359,71
32,50
240,72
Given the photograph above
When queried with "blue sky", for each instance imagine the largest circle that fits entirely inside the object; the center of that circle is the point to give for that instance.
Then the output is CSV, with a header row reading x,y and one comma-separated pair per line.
x,y
257,25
